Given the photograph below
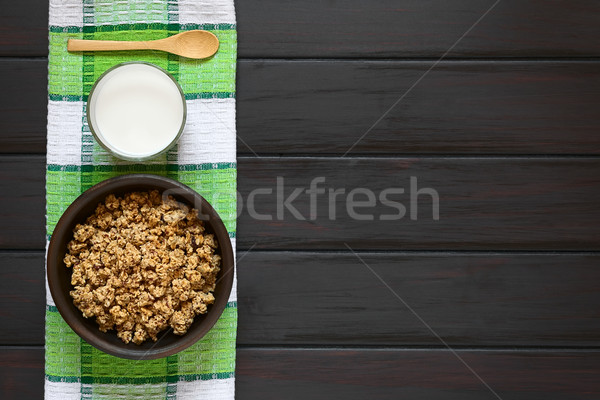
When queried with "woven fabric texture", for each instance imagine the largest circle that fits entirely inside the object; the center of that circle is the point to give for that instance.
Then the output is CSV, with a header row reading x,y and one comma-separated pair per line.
x,y
204,159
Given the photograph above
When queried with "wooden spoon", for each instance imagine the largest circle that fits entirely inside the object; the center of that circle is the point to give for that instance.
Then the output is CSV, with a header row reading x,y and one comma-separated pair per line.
x,y
191,44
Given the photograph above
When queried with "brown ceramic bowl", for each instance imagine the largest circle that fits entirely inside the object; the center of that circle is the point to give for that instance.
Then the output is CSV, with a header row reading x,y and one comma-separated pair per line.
x,y
59,276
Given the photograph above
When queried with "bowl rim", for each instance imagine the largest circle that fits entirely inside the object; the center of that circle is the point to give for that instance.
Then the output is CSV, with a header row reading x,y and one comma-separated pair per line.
x,y
64,302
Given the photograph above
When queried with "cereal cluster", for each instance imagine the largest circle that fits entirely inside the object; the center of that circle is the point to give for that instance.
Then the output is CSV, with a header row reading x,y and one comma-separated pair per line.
x,y
141,264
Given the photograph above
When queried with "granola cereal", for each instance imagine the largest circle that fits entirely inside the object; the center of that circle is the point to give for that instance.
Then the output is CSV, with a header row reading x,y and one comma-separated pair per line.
x,y
141,265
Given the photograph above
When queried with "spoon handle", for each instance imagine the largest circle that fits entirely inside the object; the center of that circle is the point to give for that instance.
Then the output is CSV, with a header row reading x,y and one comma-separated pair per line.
x,y
107,45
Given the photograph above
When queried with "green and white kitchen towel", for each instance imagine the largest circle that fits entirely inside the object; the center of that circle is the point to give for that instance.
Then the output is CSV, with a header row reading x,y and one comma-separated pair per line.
x,y
204,159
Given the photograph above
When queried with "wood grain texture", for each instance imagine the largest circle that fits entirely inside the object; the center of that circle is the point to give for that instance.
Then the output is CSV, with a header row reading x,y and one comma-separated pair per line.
x,y
24,28
23,221
459,107
467,299
544,203
394,374
23,106
386,28
414,28
374,374
314,299
22,373
22,298
485,203
316,107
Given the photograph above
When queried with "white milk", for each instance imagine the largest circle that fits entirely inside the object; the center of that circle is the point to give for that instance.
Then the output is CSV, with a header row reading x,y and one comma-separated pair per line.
x,y
136,110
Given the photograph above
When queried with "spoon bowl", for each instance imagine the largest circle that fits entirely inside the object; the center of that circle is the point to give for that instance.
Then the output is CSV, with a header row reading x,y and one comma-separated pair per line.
x,y
196,44
191,44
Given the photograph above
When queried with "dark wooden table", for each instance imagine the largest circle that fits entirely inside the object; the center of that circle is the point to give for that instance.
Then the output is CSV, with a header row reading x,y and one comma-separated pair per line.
x,y
499,298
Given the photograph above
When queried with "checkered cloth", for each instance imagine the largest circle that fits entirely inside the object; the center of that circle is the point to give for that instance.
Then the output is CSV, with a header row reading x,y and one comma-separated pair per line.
x,y
204,159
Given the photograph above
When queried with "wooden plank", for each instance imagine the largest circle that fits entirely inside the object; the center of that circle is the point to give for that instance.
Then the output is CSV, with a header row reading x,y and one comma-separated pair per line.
x,y
24,28
23,107
22,184
22,298
414,28
423,374
309,299
309,107
386,28
22,373
458,108
377,374
542,203
467,299
484,203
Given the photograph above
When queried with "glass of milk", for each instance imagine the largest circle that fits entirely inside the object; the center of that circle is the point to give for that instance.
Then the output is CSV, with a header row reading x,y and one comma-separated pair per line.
x,y
136,111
